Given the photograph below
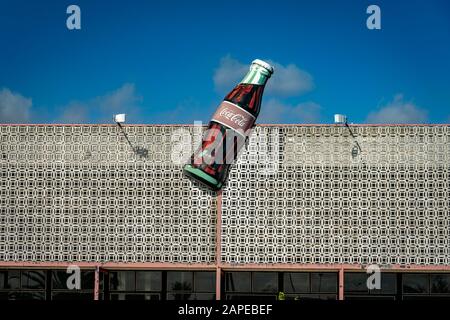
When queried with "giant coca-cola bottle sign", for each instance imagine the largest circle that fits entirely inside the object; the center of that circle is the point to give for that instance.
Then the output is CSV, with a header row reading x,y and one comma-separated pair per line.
x,y
229,127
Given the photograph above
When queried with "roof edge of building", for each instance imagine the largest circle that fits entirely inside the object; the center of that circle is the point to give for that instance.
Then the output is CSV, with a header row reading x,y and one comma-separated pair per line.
x,y
261,125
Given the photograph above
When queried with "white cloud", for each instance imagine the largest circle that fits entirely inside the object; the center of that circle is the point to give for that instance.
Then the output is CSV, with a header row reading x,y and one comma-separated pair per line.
x,y
101,108
187,111
228,74
287,80
275,111
14,108
74,112
120,100
307,112
398,111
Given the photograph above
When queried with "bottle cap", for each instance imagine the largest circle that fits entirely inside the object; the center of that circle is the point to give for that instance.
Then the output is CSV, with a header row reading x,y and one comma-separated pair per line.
x,y
263,64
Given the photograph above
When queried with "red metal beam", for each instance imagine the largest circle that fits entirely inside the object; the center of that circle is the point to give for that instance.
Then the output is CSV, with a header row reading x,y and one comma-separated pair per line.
x,y
223,266
218,283
289,267
341,284
46,265
332,267
97,283
219,228
259,124
218,244
111,265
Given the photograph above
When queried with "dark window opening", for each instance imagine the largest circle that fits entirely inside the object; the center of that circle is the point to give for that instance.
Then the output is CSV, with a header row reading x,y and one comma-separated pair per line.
x,y
399,286
268,285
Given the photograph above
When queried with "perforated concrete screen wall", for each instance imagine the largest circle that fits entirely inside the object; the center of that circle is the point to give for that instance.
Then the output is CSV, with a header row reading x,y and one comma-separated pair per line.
x,y
387,205
79,193
298,195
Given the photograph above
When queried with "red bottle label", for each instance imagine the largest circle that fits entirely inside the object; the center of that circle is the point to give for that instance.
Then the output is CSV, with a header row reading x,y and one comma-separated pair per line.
x,y
234,117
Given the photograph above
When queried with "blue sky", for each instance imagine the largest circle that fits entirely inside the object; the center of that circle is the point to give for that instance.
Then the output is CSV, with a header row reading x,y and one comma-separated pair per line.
x,y
173,61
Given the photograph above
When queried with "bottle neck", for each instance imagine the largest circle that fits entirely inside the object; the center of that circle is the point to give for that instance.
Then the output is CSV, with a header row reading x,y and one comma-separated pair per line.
x,y
257,75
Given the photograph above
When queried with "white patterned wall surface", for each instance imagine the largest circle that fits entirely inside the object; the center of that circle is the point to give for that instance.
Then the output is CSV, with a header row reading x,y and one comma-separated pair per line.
x,y
298,194
80,193
389,203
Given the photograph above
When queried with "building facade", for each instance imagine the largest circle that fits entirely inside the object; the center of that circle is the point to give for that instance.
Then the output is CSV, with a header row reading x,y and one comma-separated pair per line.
x,y
307,209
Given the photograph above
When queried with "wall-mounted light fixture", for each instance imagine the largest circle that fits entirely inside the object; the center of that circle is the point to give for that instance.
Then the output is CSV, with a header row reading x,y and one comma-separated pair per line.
x,y
342,119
